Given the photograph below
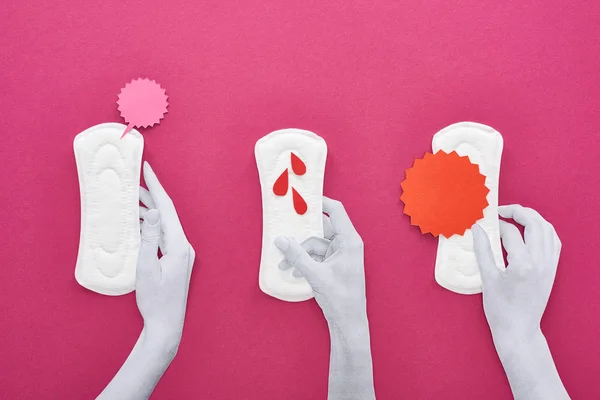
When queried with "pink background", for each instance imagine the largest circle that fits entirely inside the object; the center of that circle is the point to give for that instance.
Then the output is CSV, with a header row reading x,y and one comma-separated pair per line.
x,y
376,81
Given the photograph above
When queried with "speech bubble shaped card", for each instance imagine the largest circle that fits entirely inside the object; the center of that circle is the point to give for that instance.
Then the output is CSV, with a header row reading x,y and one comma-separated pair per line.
x,y
142,103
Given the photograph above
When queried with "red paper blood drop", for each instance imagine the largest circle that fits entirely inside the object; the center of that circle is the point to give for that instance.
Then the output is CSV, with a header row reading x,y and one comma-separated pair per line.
x,y
298,165
280,187
299,203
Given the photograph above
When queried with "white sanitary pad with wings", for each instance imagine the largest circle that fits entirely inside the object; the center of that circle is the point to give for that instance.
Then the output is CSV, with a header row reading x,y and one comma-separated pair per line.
x,y
455,265
291,168
109,180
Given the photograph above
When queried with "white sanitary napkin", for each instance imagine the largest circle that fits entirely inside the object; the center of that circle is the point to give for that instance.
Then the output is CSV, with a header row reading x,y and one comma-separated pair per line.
x,y
455,265
109,178
273,157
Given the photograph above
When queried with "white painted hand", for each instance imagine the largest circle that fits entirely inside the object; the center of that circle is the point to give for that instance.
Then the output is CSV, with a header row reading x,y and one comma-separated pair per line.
x,y
162,284
515,299
334,268
161,294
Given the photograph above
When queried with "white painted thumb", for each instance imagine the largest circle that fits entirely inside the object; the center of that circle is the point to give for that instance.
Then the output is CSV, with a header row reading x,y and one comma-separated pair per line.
x,y
484,254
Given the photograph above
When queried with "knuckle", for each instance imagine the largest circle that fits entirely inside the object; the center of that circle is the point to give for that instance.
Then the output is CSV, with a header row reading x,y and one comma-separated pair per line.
x,y
191,253
358,242
151,238
351,241
534,214
293,258
557,242
337,204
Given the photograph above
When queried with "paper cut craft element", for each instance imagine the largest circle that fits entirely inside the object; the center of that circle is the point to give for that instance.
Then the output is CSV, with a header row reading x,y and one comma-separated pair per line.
x,y
142,103
280,187
299,204
109,178
298,165
444,194
456,267
291,167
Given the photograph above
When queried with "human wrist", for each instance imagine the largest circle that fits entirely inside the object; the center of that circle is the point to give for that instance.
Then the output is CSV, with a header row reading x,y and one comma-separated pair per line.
x,y
518,345
351,365
514,338
529,367
352,329
160,342
347,313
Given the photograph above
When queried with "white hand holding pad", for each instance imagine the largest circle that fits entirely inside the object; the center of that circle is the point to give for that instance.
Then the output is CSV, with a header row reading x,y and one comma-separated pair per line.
x,y
334,267
283,212
455,265
515,298
161,291
109,177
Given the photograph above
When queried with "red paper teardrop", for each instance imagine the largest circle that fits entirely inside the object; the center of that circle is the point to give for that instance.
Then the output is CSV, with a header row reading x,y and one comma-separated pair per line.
x,y
280,187
299,203
298,165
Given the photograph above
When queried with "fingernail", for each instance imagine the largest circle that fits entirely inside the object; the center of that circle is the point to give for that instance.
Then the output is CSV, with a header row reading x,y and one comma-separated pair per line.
x,y
282,243
152,217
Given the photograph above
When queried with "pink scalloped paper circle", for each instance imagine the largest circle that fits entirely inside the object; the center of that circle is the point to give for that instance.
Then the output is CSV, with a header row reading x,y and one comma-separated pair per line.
x,y
142,103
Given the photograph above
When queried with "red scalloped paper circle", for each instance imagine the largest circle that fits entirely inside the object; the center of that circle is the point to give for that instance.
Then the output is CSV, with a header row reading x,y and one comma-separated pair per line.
x,y
444,194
